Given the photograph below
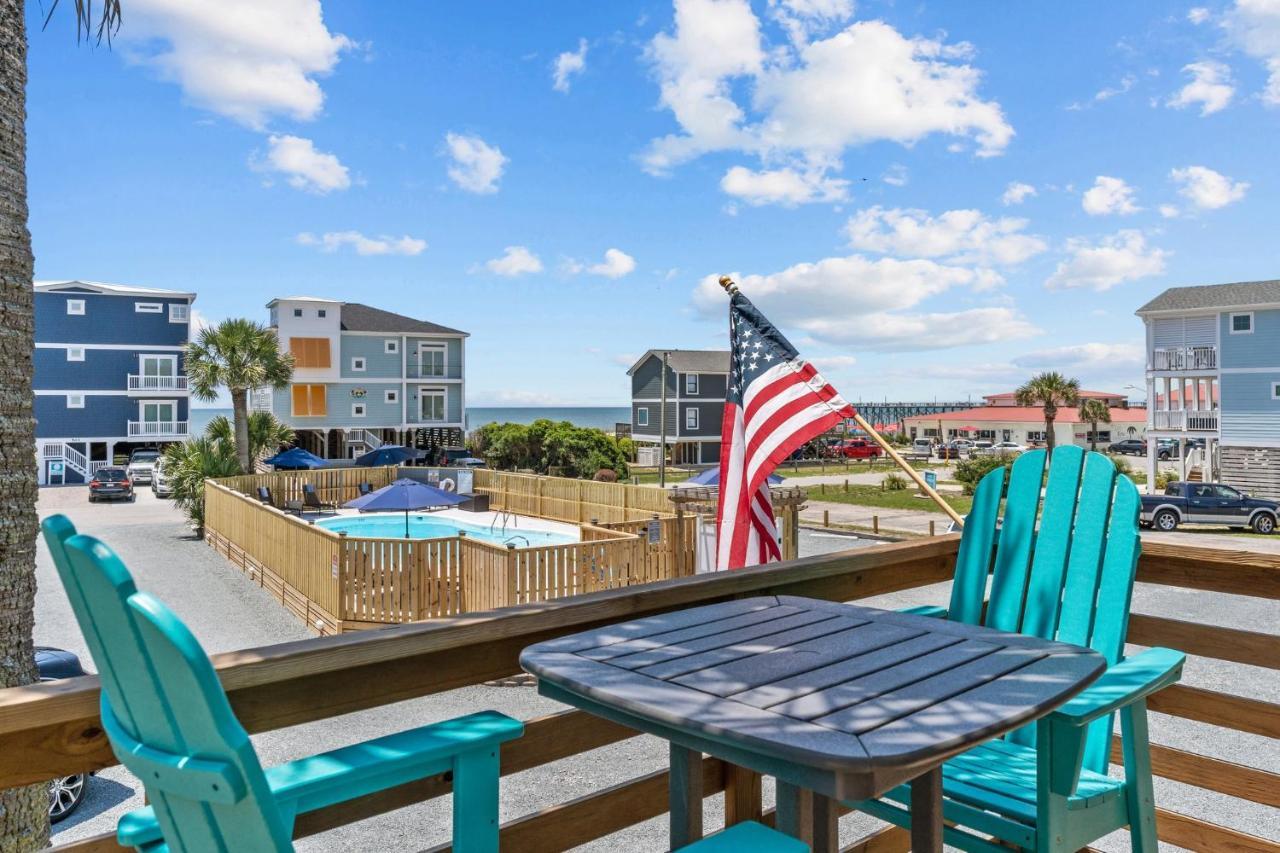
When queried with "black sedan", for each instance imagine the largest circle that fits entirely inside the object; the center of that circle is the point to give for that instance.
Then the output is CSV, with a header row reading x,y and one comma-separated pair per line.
x,y
111,484
66,792
1129,447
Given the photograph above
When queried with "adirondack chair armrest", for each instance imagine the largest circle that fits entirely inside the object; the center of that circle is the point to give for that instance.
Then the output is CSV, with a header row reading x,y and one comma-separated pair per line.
x,y
930,610
1128,681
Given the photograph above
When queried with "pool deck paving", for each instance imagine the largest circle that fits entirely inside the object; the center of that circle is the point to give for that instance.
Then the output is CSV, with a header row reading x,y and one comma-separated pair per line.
x,y
226,612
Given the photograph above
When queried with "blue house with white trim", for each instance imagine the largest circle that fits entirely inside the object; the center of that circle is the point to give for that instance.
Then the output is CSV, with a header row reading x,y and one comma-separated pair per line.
x,y
109,373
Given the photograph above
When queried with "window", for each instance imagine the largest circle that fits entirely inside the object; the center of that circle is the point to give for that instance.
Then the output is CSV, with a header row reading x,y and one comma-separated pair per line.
x,y
148,307
309,352
642,416
391,346
297,312
357,410
1275,390
1227,492
1242,324
357,364
987,434
75,401
1035,435
391,396
431,359
179,313
691,384
691,418
75,306
309,401
75,353
431,404
156,371
322,313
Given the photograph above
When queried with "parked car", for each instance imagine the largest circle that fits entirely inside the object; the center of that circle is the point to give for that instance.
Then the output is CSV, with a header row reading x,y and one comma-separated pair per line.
x,y
1208,503
922,446
980,448
141,465
160,485
951,450
1129,447
111,484
857,448
66,793
1006,448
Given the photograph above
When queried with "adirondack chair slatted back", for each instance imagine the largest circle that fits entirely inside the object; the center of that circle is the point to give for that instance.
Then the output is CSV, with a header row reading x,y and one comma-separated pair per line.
x,y
163,706
1069,577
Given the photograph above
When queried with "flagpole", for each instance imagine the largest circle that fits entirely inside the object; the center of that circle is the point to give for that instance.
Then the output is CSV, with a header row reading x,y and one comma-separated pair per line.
x,y
727,283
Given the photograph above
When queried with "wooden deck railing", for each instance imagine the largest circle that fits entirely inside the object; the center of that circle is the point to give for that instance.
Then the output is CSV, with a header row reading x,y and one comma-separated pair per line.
x,y
53,729
576,501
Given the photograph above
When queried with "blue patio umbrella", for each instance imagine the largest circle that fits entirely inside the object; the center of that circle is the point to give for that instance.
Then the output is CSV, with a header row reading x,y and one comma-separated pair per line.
x,y
407,495
391,454
711,477
295,459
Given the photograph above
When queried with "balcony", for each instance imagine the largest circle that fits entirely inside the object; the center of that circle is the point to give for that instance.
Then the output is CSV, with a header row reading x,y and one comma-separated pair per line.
x,y
1184,358
433,372
1185,420
157,383
158,429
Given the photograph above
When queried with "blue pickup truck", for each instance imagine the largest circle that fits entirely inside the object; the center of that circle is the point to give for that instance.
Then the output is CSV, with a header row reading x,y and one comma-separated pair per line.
x,y
1208,503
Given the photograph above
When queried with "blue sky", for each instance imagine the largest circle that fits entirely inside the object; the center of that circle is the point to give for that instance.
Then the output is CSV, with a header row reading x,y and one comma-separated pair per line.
x,y
933,199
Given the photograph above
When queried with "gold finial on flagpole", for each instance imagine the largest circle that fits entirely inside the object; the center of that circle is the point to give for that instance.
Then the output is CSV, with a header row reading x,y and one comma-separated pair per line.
x,y
728,285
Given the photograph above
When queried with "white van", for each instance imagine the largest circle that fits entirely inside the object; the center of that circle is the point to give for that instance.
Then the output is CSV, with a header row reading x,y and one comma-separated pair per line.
x,y
923,446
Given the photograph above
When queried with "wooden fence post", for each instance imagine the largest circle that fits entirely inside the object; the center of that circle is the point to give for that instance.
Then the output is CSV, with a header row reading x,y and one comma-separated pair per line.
x,y
931,532
509,576
875,524
826,518
677,543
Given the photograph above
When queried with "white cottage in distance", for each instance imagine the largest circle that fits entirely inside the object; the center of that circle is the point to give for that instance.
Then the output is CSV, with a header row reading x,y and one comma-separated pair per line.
x,y
1213,373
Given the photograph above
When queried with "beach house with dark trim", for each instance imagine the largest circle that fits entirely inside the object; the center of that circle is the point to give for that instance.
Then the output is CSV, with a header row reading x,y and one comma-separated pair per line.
x,y
109,373
696,381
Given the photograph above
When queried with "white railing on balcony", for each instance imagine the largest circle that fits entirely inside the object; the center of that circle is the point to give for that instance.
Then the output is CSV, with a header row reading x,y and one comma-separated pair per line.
x,y
1185,358
365,437
1185,421
158,428
157,383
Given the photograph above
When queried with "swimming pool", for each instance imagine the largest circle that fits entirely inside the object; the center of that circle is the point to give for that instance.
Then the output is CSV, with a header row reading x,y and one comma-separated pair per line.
x,y
434,526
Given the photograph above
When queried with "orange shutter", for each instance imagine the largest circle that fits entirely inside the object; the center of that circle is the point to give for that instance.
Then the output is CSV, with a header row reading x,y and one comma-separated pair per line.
x,y
319,405
301,402
322,353
310,352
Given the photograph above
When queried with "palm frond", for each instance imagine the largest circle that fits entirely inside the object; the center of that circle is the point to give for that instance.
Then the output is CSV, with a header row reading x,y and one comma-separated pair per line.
x,y
108,20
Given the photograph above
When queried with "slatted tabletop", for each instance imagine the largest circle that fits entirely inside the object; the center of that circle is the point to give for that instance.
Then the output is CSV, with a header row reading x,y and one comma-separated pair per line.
x,y
844,700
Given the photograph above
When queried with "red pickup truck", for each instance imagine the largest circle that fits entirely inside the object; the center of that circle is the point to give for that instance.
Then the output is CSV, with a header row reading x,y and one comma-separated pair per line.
x,y
856,448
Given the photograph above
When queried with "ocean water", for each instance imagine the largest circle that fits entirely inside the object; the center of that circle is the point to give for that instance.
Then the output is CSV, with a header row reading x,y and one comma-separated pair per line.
x,y
601,417
198,419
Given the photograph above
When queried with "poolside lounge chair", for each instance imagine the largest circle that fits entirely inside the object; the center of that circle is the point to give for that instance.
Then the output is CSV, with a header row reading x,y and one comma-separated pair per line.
x,y
265,496
169,722
311,500
365,489
1070,578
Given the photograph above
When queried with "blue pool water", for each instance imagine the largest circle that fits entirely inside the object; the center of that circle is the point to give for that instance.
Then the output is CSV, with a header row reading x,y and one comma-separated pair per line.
x,y
430,526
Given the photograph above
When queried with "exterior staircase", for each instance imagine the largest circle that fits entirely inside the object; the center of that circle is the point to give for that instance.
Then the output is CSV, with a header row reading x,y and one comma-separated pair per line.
x,y
365,437
74,459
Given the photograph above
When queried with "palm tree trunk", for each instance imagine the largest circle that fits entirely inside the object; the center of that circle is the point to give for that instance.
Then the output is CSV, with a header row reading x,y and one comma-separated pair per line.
x,y
24,812
240,413
1049,438
1093,435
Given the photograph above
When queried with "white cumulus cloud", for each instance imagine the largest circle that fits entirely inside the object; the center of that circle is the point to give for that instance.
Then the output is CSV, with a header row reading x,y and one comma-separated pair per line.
x,y
303,165
616,264
1016,193
1117,258
332,241
567,65
1206,188
1197,15
1108,195
1211,88
1254,26
515,260
786,187
1123,358
475,165
962,236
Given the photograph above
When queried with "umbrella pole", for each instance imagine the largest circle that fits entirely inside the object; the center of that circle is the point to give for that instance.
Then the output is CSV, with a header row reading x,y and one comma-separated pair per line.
x,y
406,524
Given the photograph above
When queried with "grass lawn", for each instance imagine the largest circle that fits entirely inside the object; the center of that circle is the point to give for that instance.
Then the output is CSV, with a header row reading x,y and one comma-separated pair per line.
x,y
899,499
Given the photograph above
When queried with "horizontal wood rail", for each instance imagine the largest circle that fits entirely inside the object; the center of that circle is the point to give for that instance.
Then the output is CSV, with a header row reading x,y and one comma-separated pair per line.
x,y
52,729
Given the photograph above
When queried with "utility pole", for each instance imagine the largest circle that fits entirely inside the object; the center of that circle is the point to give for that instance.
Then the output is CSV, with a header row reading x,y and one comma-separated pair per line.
x,y
662,428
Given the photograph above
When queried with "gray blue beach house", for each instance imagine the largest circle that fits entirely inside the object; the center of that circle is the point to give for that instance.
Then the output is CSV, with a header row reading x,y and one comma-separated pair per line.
x,y
696,381
109,373
1213,373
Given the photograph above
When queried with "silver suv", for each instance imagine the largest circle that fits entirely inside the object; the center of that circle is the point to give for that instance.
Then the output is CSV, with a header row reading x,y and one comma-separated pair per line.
x,y
141,465
160,486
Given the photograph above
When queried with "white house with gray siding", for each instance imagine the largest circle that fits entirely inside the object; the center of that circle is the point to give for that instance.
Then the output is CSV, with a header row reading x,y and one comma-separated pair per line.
x,y
364,377
1213,372
696,381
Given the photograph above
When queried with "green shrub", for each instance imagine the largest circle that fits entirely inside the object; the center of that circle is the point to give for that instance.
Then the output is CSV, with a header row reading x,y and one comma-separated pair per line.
x,y
894,482
544,445
970,471
1121,462
189,464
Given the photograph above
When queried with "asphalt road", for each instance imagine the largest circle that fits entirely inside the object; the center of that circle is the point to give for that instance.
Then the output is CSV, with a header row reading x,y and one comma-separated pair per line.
x,y
227,613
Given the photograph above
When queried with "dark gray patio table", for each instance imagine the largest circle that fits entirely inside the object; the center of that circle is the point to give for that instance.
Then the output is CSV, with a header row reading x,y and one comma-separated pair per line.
x,y
838,702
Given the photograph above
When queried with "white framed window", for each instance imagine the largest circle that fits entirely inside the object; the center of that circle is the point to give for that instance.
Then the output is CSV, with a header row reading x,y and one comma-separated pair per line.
x,y
1275,390
391,346
431,360
179,313
431,404
642,416
75,306
148,307
391,396
75,401
75,353
691,384
357,364
322,313
297,312
1241,324
691,418
357,410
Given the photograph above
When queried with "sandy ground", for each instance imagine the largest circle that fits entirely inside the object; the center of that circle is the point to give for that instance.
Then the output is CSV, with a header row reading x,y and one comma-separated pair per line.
x,y
228,613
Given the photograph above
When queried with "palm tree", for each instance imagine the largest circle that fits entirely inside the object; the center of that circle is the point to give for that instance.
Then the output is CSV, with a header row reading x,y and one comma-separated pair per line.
x,y
24,812
188,464
1093,412
240,355
266,434
1049,390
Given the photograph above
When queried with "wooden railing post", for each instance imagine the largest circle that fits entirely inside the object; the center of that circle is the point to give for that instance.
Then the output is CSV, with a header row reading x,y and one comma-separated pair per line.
x,y
509,566
677,543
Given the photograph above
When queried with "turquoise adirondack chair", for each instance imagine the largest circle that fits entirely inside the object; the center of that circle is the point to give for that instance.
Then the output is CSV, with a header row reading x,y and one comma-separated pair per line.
x,y
170,723
1045,787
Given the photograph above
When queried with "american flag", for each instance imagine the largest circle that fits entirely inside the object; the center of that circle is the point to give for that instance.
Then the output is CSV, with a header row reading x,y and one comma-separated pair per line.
x,y
776,402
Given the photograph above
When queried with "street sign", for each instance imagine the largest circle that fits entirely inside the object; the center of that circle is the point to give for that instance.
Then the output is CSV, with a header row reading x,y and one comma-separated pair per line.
x,y
931,477
655,532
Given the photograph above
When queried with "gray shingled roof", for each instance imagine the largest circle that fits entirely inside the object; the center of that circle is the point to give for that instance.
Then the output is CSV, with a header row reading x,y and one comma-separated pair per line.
x,y
690,360
364,318
1215,296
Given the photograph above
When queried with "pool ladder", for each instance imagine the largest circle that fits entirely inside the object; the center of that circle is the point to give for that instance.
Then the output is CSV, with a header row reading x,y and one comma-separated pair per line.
x,y
504,516
511,539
